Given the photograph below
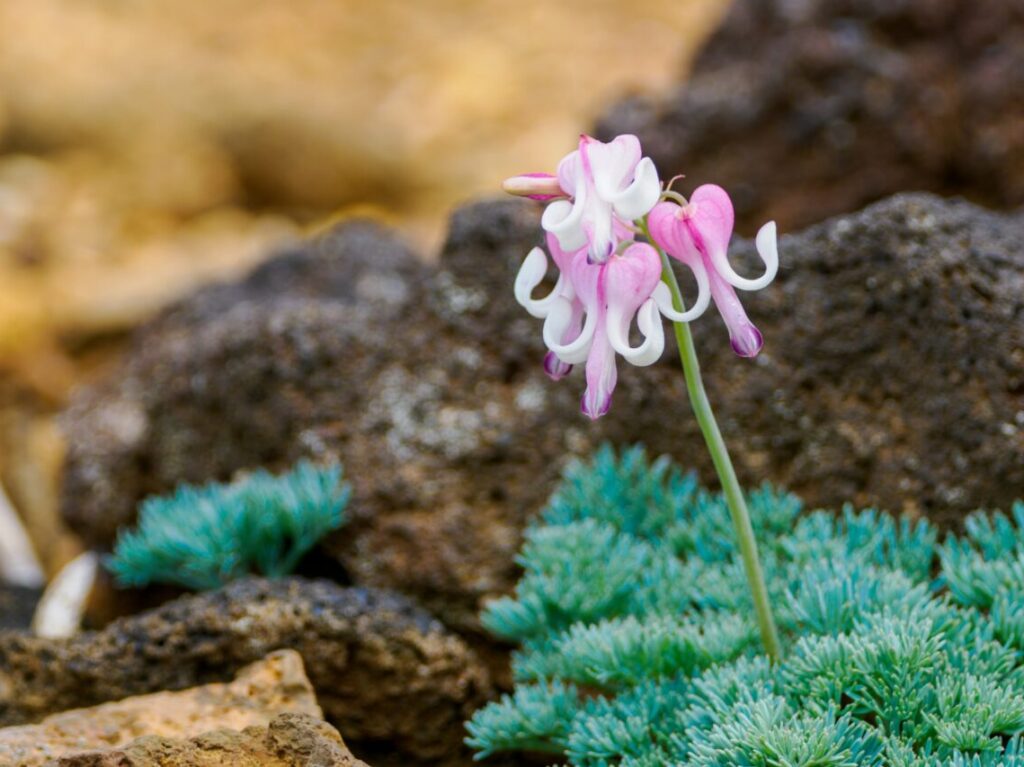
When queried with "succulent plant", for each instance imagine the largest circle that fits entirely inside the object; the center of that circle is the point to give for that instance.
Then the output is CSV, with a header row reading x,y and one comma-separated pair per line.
x,y
638,646
202,537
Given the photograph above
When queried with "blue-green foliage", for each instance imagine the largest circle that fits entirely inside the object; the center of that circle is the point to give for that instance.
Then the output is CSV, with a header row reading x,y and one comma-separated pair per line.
x,y
202,537
637,645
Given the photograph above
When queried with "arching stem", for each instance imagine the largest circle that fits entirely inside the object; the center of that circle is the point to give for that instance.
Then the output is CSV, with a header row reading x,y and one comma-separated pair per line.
x,y
723,465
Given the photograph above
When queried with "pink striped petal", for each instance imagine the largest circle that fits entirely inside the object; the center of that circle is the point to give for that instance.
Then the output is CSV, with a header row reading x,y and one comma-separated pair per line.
x,y
555,368
669,228
745,339
711,219
602,376
631,277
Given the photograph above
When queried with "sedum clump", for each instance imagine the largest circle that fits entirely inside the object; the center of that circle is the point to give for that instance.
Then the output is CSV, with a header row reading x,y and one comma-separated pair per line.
x,y
638,647
203,537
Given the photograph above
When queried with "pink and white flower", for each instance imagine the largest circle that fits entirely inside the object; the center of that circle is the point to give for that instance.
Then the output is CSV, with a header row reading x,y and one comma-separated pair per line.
x,y
607,280
588,314
698,235
604,184
531,274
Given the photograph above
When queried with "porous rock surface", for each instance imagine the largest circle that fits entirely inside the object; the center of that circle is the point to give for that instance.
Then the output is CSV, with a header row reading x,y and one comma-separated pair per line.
x,y
275,685
893,374
383,670
804,109
290,740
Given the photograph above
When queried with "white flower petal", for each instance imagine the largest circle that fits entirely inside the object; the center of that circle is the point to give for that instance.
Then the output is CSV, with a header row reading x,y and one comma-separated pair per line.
x,y
558,320
564,219
612,165
663,296
767,248
637,199
530,275
649,322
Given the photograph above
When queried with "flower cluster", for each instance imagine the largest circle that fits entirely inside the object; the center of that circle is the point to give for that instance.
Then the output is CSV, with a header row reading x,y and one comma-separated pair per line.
x,y
601,197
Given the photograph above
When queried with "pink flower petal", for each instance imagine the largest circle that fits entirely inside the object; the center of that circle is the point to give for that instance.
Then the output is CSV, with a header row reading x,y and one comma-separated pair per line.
x,y
640,195
711,218
602,376
629,279
589,281
746,340
670,231
555,368
668,227
711,221
570,173
561,257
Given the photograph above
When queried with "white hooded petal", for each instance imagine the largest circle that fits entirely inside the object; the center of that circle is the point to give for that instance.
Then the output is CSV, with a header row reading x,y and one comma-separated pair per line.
x,y
637,199
767,249
663,297
649,322
530,275
559,320
564,219
612,165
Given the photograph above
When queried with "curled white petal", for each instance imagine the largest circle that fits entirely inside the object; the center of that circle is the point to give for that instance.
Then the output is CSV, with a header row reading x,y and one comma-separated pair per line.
x,y
637,199
564,219
531,274
663,296
649,322
767,248
558,320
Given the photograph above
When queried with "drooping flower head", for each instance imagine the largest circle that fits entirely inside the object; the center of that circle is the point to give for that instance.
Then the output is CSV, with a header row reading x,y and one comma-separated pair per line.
x,y
698,234
606,278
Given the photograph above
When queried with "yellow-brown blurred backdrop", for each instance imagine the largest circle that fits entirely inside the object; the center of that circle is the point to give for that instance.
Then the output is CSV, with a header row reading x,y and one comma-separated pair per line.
x,y
147,146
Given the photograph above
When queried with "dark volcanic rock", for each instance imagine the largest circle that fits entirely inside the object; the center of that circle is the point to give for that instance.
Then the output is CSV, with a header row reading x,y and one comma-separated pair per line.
x,y
383,670
279,330
804,110
893,374
17,605
290,740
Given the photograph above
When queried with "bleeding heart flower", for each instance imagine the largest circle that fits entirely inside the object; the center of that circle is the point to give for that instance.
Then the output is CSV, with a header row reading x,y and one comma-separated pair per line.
x,y
589,313
698,234
611,295
606,185
606,279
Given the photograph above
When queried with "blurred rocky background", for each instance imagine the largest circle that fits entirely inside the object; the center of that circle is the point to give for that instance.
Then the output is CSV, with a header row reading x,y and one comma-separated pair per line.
x,y
147,148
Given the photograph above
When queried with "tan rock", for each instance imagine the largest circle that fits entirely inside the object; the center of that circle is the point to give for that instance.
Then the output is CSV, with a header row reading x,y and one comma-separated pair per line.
x,y
290,740
261,691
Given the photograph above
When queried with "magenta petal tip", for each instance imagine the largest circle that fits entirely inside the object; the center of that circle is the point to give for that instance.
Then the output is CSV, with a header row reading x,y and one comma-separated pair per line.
x,y
594,410
555,368
747,342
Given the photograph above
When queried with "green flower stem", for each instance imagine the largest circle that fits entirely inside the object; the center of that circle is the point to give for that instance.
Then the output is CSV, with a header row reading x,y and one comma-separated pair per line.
x,y
723,465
